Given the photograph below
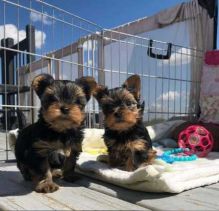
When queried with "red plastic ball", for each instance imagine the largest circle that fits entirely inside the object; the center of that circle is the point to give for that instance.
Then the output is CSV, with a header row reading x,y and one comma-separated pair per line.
x,y
198,139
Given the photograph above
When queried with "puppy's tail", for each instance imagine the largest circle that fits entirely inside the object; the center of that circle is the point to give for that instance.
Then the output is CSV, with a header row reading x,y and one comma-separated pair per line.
x,y
22,123
12,138
13,134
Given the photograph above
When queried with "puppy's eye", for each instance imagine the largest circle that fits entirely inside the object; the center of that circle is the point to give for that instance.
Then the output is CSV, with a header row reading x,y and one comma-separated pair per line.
x,y
131,104
128,103
108,107
53,98
80,103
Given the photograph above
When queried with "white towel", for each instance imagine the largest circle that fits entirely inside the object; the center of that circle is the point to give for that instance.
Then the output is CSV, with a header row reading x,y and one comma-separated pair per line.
x,y
159,177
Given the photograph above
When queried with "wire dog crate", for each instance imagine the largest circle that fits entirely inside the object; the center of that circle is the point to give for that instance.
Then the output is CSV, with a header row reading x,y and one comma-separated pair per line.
x,y
68,47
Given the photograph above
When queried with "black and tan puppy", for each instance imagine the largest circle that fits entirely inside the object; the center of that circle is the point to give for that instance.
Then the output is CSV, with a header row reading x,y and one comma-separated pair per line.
x,y
59,128
128,142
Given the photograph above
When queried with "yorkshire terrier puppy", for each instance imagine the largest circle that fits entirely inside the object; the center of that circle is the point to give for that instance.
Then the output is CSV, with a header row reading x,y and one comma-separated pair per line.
x,y
58,130
128,142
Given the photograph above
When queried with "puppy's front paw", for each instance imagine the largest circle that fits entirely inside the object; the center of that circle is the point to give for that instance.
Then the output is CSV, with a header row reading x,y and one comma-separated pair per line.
x,y
57,173
151,155
46,187
103,158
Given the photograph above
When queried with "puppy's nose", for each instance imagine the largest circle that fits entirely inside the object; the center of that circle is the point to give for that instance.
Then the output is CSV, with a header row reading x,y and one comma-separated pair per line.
x,y
64,110
118,115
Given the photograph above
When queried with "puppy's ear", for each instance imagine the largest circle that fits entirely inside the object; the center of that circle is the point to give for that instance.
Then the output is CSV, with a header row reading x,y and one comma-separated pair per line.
x,y
100,93
88,85
40,83
133,84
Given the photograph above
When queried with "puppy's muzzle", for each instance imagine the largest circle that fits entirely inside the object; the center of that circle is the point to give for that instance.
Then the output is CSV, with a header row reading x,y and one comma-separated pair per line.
x,y
118,116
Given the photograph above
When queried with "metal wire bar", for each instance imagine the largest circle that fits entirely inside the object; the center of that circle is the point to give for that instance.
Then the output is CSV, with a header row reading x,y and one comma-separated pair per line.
x,y
5,95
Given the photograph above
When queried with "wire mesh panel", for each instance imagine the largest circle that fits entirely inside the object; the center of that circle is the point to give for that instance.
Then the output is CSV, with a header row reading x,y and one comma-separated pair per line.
x,y
170,74
37,37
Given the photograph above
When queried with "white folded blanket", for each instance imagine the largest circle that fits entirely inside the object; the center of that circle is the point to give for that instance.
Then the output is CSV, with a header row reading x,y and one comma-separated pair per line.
x,y
159,177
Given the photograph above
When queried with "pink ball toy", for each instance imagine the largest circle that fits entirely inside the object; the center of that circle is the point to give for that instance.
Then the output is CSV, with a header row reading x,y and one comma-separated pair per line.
x,y
198,139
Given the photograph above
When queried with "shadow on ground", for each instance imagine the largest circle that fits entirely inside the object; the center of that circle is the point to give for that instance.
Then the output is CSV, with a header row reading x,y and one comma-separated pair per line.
x,y
12,184
120,192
